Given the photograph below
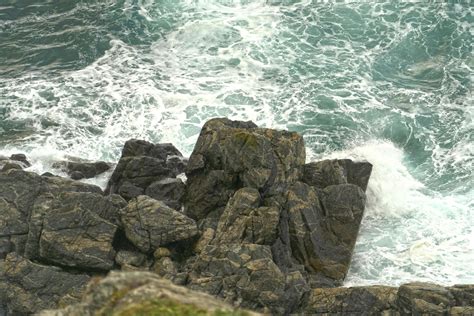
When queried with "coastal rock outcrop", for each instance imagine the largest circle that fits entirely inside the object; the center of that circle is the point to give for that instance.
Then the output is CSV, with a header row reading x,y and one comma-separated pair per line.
x,y
252,224
259,221
16,161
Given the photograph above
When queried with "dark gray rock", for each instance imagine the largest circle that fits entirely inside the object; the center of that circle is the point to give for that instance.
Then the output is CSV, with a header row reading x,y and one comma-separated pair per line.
x,y
27,287
141,164
323,228
77,175
134,148
77,167
129,191
338,171
170,191
21,158
149,224
177,164
5,247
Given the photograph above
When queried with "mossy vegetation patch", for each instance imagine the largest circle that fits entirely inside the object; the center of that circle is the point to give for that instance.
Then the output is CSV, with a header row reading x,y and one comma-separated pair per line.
x,y
165,307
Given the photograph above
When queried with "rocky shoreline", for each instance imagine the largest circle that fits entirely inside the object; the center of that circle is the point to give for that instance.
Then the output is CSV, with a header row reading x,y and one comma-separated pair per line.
x,y
245,220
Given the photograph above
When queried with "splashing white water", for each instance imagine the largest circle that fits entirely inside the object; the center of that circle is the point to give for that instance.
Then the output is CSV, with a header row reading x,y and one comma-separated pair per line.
x,y
409,232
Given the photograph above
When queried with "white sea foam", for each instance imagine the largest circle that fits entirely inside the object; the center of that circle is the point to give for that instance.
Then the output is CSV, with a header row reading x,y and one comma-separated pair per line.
x,y
295,67
409,232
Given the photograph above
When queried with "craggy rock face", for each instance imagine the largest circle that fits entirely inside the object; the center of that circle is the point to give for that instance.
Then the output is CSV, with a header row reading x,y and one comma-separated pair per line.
x,y
230,155
73,234
245,190
324,173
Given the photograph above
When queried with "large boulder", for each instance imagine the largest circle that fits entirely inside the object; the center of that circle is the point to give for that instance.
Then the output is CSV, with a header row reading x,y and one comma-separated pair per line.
x,y
141,164
319,229
21,192
230,155
27,287
144,293
245,190
58,220
73,233
149,224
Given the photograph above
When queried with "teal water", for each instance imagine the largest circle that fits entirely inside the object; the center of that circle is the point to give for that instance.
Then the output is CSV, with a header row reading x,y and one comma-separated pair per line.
x,y
388,82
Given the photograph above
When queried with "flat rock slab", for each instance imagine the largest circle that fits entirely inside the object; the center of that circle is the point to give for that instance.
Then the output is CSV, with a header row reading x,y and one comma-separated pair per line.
x,y
149,224
27,287
74,235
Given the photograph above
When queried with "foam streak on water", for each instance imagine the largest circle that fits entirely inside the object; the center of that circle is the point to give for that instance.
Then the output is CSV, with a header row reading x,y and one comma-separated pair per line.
x,y
386,82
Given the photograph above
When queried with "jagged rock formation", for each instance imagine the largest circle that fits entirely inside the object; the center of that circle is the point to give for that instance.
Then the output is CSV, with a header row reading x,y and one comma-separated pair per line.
x,y
253,225
245,189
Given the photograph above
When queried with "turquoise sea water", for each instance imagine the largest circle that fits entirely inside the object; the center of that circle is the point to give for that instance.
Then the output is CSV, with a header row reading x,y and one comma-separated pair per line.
x,y
390,82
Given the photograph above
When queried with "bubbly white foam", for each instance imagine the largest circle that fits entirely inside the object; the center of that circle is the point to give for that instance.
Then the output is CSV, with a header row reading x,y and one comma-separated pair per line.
x,y
276,65
409,232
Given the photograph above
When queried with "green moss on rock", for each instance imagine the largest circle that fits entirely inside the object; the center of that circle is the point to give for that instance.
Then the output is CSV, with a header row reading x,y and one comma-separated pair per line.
x,y
165,307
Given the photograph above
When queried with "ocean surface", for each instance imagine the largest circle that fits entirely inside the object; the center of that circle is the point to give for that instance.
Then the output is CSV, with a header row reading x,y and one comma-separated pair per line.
x,y
389,82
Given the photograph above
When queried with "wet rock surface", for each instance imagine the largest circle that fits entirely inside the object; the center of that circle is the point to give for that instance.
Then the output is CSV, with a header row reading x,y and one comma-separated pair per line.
x,y
82,169
254,225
